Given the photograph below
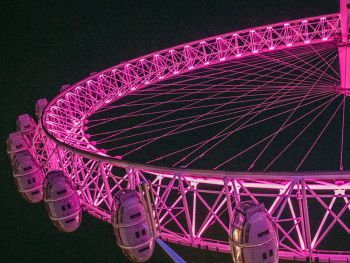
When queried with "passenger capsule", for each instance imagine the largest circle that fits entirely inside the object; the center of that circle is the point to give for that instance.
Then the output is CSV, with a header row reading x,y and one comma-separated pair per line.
x,y
28,176
253,236
39,107
27,125
16,142
62,202
130,226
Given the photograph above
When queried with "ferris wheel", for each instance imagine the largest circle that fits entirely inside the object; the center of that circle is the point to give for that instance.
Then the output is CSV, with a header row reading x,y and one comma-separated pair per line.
x,y
235,143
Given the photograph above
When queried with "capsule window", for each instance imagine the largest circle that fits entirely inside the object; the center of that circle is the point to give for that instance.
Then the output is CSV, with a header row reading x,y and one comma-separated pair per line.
x,y
27,168
62,192
135,215
143,232
246,235
30,181
264,233
26,126
143,249
69,206
19,146
70,220
264,256
63,208
35,192
271,252
137,234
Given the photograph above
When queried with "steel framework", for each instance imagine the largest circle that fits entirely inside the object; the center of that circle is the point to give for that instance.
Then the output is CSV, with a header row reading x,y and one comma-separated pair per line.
x,y
193,207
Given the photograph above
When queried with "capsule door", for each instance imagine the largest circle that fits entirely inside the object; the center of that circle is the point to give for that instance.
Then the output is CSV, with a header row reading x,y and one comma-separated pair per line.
x,y
16,143
26,125
263,234
62,202
28,177
39,108
130,226
253,236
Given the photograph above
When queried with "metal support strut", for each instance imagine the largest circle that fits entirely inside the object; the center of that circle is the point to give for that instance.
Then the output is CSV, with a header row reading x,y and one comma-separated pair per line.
x,y
145,189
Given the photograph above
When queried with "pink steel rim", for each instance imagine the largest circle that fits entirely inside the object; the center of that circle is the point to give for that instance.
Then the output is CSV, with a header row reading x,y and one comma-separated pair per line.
x,y
73,148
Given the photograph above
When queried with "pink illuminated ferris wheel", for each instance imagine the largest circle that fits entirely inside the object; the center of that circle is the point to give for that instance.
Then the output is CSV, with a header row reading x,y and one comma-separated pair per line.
x,y
236,143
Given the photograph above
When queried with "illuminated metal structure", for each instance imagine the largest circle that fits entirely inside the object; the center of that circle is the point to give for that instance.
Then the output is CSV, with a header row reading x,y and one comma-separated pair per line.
x,y
193,205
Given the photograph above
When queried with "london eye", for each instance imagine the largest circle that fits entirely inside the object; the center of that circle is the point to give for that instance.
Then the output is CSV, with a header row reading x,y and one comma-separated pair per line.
x,y
200,136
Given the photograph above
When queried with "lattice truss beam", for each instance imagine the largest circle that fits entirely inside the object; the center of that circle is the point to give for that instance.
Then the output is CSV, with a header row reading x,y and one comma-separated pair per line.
x,y
65,118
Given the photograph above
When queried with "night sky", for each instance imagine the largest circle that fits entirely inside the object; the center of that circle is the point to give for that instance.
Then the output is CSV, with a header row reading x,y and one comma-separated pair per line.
x,y
50,43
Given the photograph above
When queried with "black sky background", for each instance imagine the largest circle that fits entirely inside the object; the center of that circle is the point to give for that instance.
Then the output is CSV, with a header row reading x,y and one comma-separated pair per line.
x,y
46,44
